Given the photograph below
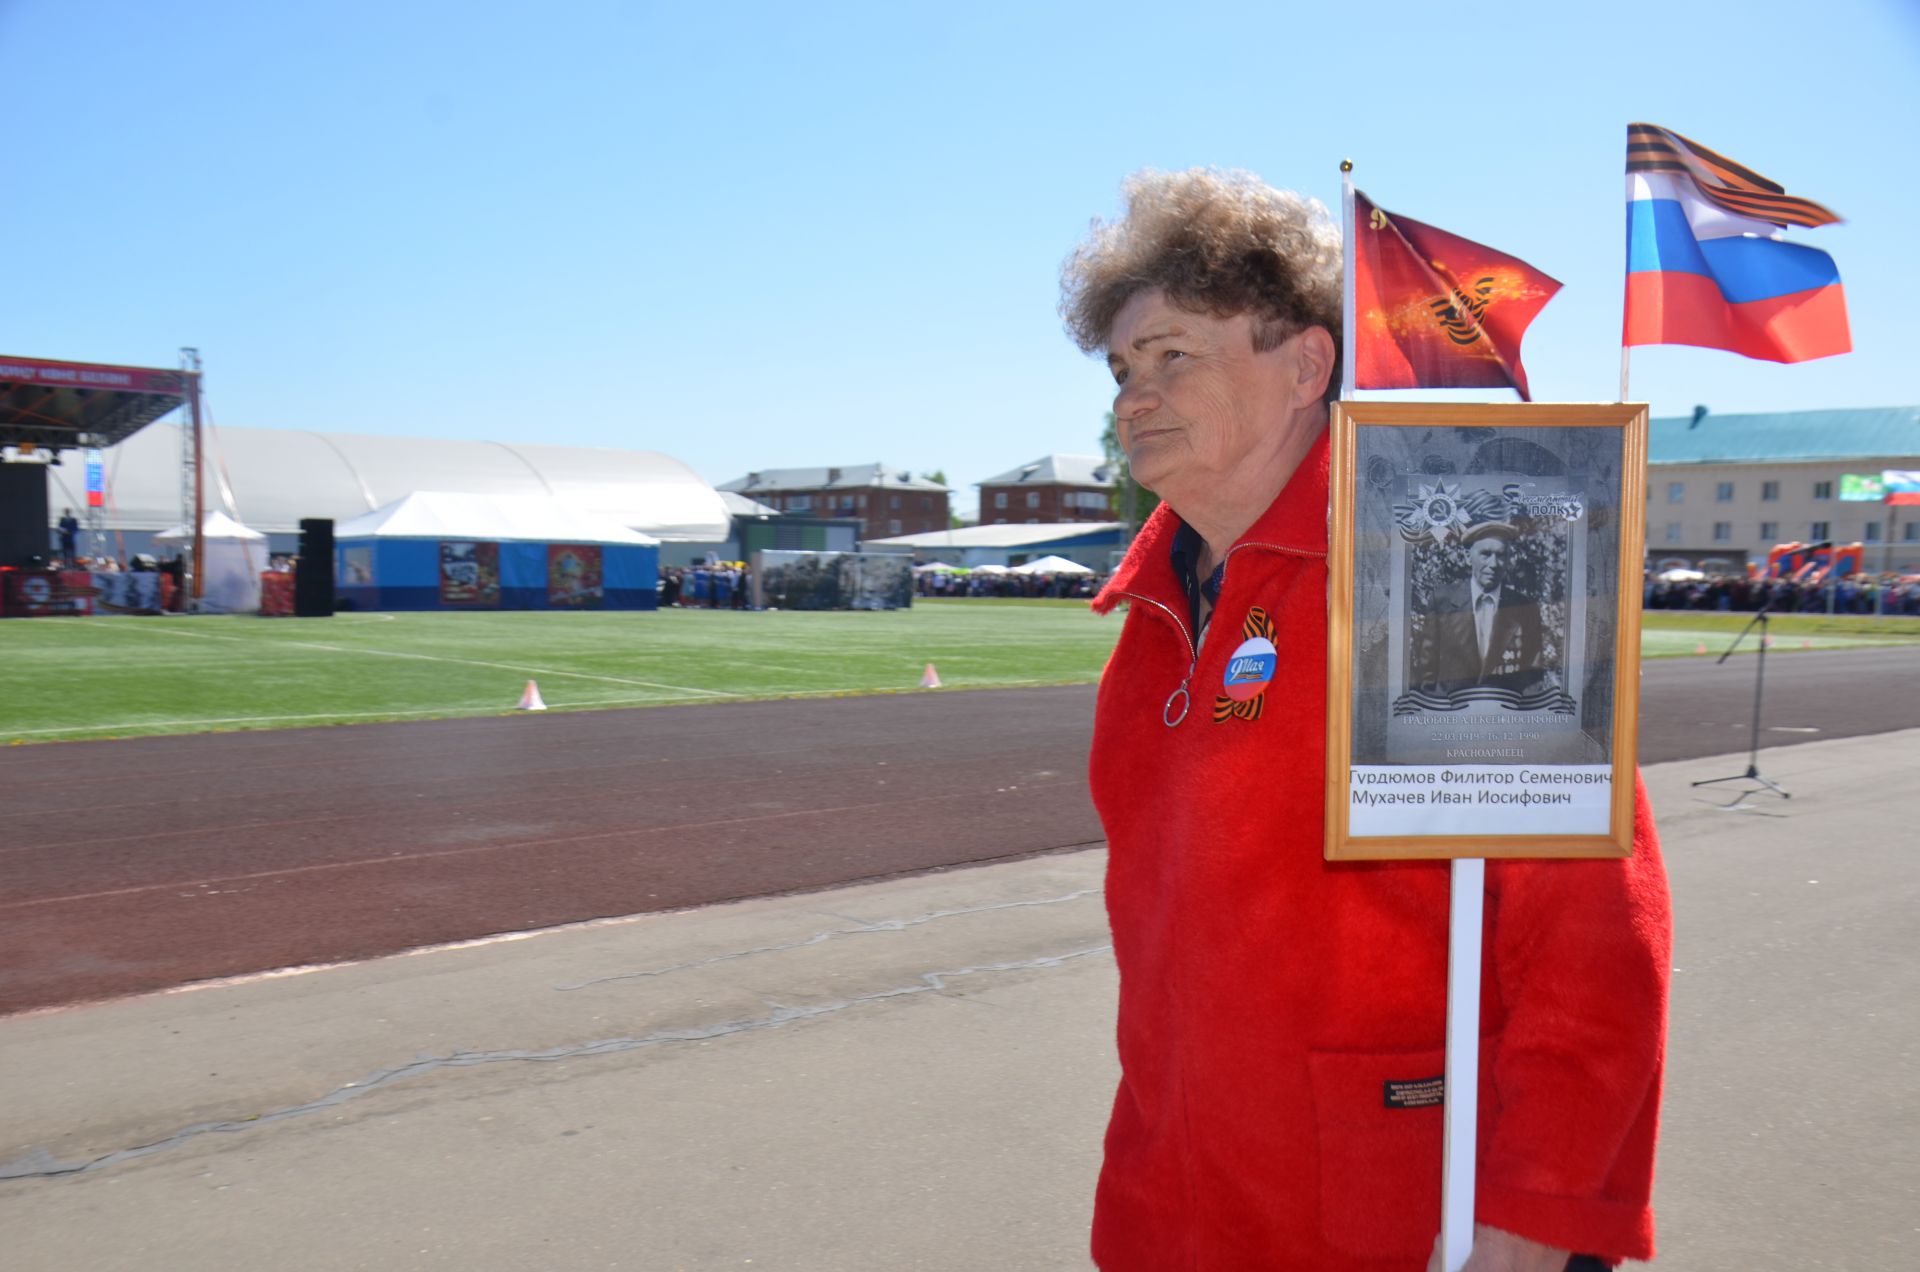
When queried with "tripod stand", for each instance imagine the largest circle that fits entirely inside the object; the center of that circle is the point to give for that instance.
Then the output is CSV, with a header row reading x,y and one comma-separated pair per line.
x,y
1759,685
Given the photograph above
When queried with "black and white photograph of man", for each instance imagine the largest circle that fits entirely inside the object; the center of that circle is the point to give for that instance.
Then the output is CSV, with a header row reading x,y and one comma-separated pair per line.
x,y
1486,566
1485,631
1486,606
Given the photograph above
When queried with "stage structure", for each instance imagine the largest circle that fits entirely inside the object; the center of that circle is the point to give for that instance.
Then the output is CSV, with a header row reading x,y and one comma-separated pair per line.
x,y
48,408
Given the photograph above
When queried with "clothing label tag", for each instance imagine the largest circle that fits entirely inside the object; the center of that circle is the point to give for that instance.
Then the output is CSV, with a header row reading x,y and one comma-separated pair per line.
x,y
1415,1093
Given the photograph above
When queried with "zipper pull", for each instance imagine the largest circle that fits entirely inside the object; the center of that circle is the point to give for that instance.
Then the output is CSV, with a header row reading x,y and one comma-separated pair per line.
x,y
1181,696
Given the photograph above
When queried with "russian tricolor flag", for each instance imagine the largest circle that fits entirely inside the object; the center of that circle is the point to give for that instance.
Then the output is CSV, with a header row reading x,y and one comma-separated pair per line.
x,y
1902,486
1706,264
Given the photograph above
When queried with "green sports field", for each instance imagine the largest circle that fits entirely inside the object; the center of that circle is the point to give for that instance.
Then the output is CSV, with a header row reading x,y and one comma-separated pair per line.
x,y
124,677
1681,633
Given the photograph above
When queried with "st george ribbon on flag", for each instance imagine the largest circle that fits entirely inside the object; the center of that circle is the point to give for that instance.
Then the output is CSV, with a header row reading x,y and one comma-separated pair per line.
x,y
1706,264
1435,311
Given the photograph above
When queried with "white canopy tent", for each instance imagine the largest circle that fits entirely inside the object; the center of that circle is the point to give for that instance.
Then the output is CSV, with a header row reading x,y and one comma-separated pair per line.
x,y
1052,565
235,558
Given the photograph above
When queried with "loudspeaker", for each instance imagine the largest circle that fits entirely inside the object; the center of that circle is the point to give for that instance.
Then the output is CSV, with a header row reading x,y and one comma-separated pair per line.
x,y
24,519
313,572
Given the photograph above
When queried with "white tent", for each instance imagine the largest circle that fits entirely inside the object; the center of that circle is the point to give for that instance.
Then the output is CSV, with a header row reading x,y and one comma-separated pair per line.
x,y
273,477
230,571
990,569
1052,565
439,514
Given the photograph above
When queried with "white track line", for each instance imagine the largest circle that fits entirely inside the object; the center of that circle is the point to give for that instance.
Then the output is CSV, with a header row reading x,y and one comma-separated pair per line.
x,y
854,691
325,715
465,662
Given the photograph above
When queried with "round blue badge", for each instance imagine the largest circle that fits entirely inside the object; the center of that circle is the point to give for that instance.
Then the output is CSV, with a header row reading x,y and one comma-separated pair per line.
x,y
1250,669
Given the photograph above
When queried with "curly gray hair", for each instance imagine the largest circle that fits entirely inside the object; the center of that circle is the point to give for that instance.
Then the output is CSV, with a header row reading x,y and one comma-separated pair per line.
x,y
1216,242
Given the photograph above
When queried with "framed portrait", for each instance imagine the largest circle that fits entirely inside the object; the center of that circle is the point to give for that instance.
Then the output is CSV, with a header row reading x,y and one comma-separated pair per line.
x,y
1484,629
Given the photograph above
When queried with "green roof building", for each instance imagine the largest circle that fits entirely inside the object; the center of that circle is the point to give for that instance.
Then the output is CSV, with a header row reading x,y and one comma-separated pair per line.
x,y
1724,489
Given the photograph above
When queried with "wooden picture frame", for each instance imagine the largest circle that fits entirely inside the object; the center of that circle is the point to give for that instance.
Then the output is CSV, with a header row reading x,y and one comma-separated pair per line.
x,y
1493,714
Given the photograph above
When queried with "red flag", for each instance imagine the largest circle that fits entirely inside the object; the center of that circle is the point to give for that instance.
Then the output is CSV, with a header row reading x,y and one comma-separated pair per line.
x,y
1435,311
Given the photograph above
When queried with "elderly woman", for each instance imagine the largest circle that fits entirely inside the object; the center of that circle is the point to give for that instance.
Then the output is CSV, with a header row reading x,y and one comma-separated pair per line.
x,y
1282,1018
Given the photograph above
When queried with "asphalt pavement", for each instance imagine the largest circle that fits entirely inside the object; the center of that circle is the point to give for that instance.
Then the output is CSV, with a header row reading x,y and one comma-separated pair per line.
x,y
909,1074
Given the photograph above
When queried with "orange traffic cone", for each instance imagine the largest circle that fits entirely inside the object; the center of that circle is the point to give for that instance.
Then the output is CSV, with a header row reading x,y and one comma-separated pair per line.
x,y
1806,644
530,699
929,679
1700,649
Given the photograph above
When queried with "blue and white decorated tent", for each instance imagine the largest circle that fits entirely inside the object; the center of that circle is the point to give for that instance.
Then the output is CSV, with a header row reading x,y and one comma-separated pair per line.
x,y
439,550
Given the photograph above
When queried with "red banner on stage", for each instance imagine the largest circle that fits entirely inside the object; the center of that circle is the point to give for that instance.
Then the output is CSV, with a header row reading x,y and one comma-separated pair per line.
x,y
92,375
44,593
276,594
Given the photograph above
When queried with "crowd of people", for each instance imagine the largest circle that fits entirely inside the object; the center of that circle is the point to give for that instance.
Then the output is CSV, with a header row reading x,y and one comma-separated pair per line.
x,y
728,586
139,563
1854,594
1006,583
723,586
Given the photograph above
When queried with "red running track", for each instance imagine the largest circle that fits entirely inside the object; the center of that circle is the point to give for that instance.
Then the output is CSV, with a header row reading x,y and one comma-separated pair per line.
x,y
144,864
147,863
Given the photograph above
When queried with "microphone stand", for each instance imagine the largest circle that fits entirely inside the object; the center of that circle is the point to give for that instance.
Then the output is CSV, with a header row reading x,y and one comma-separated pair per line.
x,y
1759,684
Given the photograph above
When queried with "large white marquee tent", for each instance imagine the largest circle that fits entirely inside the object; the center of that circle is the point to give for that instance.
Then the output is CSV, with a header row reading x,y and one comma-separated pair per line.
x,y
271,478
439,514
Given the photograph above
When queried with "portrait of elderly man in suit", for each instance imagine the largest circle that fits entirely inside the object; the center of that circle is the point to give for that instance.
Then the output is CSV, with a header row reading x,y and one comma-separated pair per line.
x,y
1485,631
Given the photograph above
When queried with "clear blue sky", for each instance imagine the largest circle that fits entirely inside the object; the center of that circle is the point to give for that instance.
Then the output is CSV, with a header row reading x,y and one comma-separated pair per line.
x,y
760,235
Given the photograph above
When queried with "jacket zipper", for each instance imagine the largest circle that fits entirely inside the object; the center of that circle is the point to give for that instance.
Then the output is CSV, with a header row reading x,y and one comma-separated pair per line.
x,y
1179,695
1183,694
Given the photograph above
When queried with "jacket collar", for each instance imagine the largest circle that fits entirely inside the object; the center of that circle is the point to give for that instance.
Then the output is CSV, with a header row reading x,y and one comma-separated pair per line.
x,y
1296,522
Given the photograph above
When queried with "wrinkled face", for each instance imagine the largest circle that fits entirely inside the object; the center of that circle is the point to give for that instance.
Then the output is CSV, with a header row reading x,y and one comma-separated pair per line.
x,y
1488,561
1195,401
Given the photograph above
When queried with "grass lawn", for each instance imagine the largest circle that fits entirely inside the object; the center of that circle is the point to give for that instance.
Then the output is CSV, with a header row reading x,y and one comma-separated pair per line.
x,y
124,677
1680,633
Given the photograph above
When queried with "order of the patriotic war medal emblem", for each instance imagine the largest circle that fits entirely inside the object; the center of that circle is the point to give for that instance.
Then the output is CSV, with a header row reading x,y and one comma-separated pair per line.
x,y
1460,310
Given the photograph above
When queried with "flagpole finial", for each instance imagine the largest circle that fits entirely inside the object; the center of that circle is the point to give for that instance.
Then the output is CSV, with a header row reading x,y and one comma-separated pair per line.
x,y
1346,165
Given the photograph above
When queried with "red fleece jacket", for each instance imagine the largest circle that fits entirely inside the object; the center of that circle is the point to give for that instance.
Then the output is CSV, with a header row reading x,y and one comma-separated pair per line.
x,y
1267,996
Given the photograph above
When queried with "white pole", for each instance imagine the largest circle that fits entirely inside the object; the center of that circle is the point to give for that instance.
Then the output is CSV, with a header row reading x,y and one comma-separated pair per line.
x,y
1462,1106
1349,232
1626,350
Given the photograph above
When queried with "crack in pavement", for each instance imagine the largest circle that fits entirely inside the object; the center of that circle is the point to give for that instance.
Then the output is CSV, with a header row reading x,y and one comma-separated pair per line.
x,y
39,1164
862,928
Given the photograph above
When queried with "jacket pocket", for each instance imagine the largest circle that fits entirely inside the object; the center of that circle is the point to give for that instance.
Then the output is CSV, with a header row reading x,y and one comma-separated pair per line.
x,y
1378,1123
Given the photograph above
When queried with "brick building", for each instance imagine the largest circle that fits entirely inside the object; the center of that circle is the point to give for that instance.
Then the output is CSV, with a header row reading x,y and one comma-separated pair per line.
x,y
1056,488
886,501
